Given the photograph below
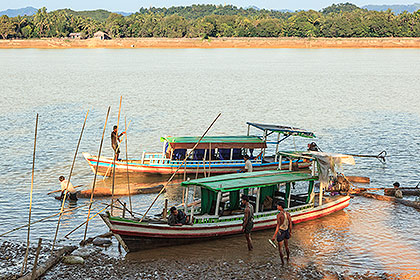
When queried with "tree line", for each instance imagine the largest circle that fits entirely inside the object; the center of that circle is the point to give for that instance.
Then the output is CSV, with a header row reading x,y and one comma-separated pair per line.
x,y
337,20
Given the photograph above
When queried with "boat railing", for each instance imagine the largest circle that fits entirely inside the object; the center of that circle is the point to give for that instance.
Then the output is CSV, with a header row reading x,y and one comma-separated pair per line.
x,y
161,160
151,156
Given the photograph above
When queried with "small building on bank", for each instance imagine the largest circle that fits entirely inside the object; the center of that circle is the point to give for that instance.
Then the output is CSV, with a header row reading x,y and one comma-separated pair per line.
x,y
101,35
75,36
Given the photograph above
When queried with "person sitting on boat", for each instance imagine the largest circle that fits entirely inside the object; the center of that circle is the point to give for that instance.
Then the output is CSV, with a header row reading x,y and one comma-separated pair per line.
x,y
177,217
115,140
248,222
283,231
313,147
398,192
248,164
67,187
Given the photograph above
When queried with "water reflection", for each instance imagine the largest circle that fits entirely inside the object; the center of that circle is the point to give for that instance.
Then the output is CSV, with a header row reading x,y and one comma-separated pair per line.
x,y
351,99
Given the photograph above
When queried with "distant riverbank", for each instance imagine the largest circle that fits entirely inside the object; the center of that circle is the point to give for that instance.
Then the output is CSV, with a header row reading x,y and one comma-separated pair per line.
x,y
311,43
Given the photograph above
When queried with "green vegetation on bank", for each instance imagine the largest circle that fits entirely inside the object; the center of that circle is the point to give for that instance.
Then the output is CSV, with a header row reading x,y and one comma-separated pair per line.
x,y
338,20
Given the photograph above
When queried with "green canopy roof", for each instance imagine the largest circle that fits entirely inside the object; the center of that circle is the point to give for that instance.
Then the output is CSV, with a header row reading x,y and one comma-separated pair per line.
x,y
213,139
237,181
187,142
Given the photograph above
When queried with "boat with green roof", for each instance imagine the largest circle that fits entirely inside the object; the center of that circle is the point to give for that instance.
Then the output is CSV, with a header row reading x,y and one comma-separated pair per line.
x,y
213,206
214,155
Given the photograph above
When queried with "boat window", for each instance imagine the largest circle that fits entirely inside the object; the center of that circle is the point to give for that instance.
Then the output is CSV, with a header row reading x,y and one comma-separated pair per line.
x,y
224,154
179,154
237,154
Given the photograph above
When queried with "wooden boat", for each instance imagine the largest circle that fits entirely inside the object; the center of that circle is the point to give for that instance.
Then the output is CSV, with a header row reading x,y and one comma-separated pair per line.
x,y
214,155
219,213
405,191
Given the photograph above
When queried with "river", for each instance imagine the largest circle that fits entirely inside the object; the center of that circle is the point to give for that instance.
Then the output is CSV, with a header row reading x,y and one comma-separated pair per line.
x,y
355,100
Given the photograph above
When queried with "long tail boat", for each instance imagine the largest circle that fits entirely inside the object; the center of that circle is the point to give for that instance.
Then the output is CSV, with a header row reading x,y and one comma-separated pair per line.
x,y
214,154
219,214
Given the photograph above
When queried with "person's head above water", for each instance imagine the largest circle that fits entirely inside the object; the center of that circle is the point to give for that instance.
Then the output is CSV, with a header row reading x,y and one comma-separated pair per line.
x,y
61,178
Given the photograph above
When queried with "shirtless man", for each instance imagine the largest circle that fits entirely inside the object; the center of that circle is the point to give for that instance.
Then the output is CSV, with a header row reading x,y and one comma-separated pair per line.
x,y
248,222
283,231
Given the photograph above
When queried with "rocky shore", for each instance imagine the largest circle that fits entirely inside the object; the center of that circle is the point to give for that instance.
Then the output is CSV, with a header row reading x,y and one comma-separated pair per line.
x,y
105,263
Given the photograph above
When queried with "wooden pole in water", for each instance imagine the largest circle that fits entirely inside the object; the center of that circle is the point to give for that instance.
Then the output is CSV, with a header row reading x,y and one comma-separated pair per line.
x,y
94,178
173,175
38,250
68,181
115,155
126,159
30,199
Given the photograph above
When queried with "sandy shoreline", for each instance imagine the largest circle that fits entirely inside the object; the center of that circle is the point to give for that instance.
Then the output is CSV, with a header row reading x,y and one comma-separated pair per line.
x,y
307,43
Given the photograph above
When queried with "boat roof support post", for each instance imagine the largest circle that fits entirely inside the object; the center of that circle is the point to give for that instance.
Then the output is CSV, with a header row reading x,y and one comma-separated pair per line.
x,y
219,197
209,158
231,154
249,126
186,200
257,206
280,161
277,147
287,195
321,190
310,198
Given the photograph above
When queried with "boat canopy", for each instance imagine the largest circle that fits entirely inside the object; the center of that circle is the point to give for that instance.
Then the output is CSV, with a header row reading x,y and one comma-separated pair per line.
x,y
219,142
238,181
285,130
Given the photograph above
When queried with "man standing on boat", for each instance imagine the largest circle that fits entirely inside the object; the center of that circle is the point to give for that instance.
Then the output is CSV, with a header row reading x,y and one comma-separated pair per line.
x,y
115,140
248,222
248,164
283,231
67,187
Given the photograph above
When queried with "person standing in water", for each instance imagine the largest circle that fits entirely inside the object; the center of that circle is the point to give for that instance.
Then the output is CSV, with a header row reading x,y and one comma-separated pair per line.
x,y
248,222
283,231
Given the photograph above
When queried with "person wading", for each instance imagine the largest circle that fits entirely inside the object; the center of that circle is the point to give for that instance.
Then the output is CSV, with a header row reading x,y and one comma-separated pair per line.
x,y
248,222
115,140
283,231
70,189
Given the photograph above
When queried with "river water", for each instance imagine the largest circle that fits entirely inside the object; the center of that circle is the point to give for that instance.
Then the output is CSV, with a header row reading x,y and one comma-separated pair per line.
x,y
356,101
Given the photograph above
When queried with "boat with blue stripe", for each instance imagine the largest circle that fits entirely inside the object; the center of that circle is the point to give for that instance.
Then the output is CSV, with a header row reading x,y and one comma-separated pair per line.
x,y
213,155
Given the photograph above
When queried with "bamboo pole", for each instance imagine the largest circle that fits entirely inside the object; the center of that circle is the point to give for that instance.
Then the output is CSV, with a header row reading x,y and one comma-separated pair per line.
x,y
115,155
94,178
173,175
56,191
126,159
41,220
68,182
30,200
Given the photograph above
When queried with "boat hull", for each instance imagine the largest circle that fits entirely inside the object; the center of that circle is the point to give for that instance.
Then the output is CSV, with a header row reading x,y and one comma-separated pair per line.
x,y
136,236
167,167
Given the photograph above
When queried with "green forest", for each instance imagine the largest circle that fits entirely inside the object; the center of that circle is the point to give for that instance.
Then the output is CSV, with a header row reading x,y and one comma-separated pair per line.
x,y
204,21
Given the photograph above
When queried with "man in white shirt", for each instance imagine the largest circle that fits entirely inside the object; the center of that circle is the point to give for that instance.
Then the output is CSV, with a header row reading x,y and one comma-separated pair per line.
x,y
248,164
67,186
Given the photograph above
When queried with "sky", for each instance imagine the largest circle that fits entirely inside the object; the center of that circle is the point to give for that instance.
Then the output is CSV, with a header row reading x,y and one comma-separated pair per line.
x,y
134,5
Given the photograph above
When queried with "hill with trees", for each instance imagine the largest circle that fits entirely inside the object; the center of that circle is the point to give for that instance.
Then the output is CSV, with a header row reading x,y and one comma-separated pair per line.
x,y
338,20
